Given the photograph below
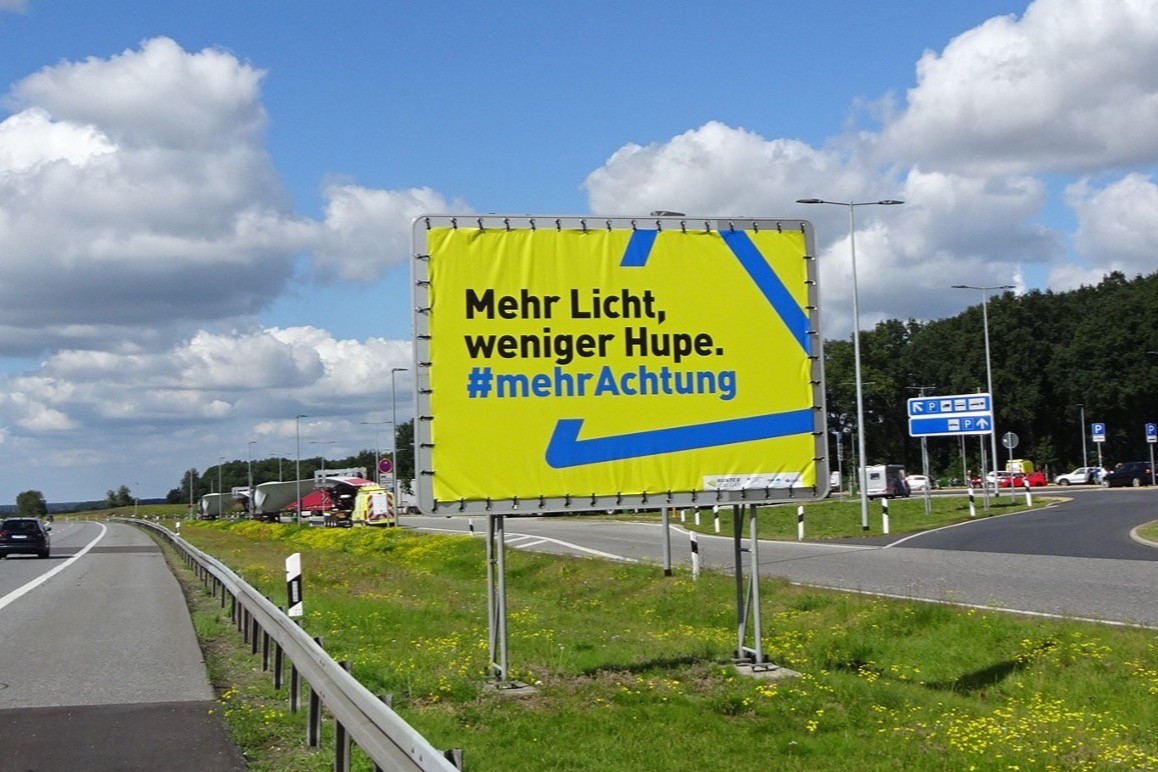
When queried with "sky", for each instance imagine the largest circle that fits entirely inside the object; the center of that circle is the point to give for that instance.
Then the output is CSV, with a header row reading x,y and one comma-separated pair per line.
x,y
205,207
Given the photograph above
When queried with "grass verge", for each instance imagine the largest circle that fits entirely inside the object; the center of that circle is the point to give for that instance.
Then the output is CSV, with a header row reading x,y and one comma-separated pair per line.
x,y
632,667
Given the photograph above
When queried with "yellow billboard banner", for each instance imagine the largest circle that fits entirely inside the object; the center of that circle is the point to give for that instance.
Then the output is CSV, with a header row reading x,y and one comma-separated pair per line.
x,y
581,364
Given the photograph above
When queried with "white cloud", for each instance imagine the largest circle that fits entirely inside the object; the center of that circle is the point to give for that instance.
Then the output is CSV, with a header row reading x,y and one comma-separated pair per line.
x,y
1070,86
367,231
139,200
715,170
257,373
1117,227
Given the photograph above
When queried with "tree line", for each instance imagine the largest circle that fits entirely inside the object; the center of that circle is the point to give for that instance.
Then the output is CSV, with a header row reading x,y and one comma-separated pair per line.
x,y
1056,358
235,474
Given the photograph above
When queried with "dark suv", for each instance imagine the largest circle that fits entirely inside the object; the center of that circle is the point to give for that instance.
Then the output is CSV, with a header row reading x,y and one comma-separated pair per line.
x,y
1128,473
24,536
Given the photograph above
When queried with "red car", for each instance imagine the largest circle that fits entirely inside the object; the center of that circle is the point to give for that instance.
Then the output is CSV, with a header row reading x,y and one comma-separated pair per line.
x,y
1035,479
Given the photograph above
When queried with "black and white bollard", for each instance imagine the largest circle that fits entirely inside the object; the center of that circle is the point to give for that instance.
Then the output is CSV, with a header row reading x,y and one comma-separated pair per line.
x,y
470,525
293,585
697,514
885,515
695,547
1028,494
716,516
800,523
972,504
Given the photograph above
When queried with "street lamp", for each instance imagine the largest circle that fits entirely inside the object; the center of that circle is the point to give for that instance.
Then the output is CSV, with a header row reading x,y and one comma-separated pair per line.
x,y
249,461
394,439
377,445
136,498
1082,429
298,463
322,458
989,372
220,490
852,205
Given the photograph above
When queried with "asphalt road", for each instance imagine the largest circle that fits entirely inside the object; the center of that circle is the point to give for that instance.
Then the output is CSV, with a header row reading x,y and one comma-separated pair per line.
x,y
99,664
1075,559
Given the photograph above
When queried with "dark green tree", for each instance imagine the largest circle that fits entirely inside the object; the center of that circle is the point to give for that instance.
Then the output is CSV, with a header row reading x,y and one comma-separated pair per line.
x,y
31,504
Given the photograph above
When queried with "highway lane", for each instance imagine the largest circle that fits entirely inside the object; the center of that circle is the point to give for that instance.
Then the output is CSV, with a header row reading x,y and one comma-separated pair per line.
x,y
991,562
99,664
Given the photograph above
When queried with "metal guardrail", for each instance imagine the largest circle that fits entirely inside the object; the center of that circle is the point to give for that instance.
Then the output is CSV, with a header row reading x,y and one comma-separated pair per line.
x,y
362,719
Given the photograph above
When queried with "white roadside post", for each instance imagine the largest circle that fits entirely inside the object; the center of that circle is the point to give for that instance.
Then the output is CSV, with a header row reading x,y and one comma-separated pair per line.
x,y
695,547
800,523
293,585
884,515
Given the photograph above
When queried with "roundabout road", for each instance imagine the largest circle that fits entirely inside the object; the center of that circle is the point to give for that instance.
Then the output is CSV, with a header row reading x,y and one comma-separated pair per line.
x,y
1073,560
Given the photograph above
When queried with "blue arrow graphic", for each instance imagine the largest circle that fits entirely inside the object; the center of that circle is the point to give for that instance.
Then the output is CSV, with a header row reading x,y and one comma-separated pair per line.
x,y
566,449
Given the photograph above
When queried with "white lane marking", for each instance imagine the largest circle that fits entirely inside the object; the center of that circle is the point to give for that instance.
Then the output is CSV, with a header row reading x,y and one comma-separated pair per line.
x,y
520,536
21,591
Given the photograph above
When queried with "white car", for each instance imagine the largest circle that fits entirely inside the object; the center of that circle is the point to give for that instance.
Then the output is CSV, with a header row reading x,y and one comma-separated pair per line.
x,y
1083,475
919,482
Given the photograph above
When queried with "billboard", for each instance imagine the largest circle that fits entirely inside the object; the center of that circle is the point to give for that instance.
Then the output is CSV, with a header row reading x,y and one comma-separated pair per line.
x,y
587,364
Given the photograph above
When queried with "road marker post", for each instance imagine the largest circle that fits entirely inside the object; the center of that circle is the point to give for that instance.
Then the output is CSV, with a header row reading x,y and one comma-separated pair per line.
x,y
972,504
800,523
695,547
885,515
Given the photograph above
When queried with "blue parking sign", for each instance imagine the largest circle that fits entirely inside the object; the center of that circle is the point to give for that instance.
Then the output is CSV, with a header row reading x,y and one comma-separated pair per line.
x,y
1151,433
1098,432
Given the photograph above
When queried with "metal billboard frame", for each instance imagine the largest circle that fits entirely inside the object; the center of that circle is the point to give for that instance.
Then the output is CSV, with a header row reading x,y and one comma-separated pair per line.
x,y
527,502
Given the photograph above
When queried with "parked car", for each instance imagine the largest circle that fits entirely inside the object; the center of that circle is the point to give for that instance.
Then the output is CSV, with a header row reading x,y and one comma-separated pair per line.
x,y
1083,475
919,483
24,536
1133,473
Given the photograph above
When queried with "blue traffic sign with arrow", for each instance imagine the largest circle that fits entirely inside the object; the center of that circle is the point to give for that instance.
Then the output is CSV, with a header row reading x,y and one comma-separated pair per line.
x,y
950,415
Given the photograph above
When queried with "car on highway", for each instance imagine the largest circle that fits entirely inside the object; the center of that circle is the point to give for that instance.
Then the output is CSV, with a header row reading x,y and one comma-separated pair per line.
x,y
24,536
1083,475
1135,473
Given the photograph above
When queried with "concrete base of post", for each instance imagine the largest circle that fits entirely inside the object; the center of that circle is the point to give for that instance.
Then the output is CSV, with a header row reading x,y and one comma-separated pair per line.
x,y
765,672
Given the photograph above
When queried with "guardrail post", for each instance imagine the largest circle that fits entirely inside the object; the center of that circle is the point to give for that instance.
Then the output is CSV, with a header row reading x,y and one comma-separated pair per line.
x,y
278,666
314,715
314,720
342,738
295,695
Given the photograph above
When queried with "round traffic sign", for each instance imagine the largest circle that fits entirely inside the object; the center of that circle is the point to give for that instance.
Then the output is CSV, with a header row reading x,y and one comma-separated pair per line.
x,y
1009,440
384,466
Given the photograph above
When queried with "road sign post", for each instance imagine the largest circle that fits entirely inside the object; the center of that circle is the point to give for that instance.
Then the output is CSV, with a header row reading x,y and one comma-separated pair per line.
x,y
1098,435
1151,438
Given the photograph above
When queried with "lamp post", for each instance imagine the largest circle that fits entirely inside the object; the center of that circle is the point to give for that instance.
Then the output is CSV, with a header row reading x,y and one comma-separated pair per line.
x,y
136,498
852,205
249,461
1082,429
377,445
220,489
298,463
322,459
394,439
989,374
